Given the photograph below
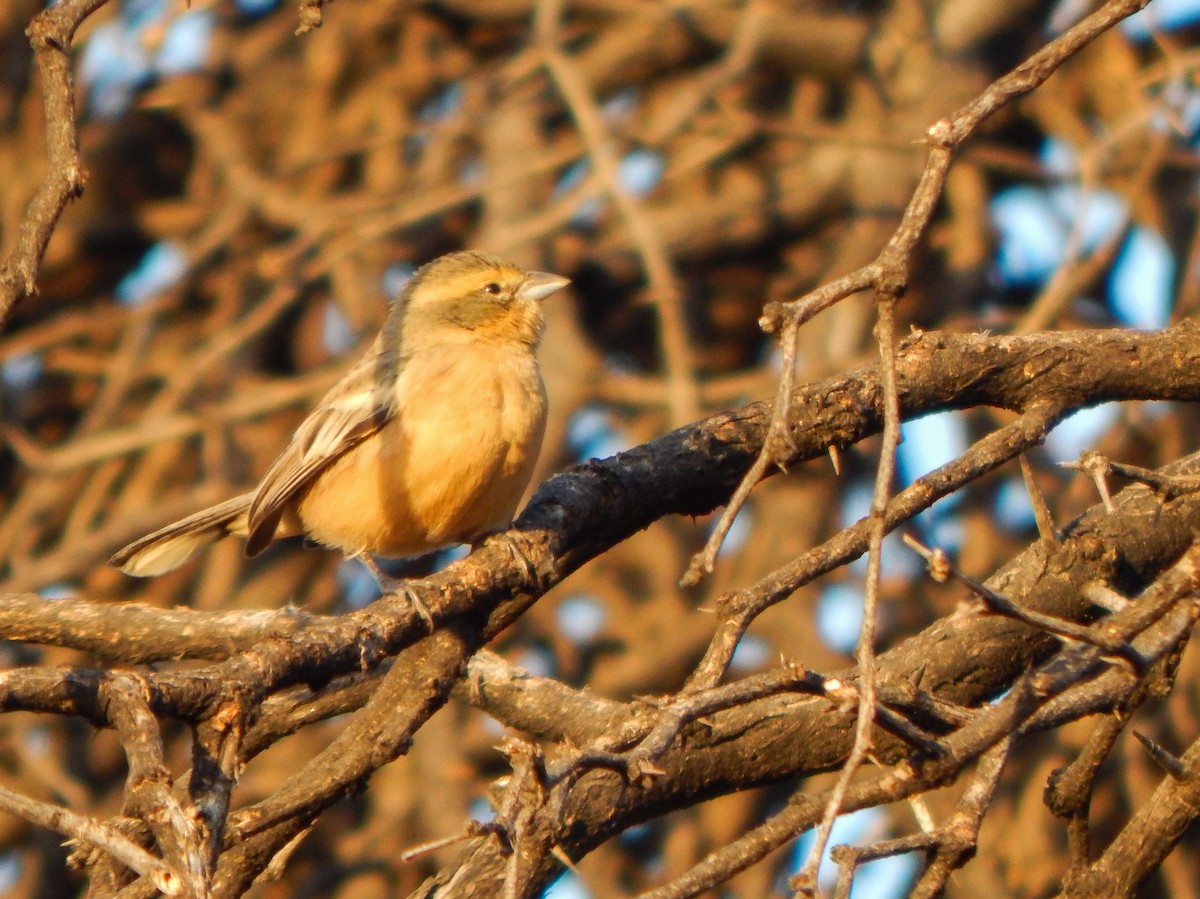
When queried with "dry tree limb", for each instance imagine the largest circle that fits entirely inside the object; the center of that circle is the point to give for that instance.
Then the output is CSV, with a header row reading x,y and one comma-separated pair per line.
x,y
888,274
51,34
579,514
764,185
1032,692
948,847
93,833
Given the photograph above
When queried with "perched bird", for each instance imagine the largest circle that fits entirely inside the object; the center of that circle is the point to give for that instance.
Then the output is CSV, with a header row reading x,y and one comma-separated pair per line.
x,y
430,439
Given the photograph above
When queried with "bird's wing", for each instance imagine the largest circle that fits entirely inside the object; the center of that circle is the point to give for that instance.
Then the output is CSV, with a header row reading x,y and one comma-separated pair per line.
x,y
356,407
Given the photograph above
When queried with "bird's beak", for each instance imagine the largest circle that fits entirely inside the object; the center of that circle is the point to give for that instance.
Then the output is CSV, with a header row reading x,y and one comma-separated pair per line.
x,y
539,285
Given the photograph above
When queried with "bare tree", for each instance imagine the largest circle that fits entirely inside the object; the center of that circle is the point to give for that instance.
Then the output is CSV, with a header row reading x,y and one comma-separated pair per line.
x,y
203,209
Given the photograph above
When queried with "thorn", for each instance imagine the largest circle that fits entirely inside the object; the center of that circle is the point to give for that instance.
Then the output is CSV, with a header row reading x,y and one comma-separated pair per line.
x,y
835,457
644,772
559,853
1166,760
1095,466
1041,510
432,846
1102,488
921,812
1104,596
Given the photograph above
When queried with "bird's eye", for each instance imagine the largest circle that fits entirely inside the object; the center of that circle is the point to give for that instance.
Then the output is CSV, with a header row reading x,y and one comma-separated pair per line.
x,y
492,288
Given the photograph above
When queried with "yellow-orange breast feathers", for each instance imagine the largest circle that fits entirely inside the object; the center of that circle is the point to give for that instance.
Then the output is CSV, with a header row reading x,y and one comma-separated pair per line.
x,y
451,465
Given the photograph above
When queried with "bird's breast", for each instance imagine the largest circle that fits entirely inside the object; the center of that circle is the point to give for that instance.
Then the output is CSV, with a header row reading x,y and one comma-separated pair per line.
x,y
452,463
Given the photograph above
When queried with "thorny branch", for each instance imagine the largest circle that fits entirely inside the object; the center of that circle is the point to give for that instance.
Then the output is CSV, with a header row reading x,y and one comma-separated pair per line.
x,y
556,533
766,121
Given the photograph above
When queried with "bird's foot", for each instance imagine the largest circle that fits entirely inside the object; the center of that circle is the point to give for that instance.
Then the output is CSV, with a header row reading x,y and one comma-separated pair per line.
x,y
388,584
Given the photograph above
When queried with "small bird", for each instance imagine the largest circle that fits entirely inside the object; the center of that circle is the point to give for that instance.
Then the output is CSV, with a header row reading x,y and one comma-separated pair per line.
x,y
430,439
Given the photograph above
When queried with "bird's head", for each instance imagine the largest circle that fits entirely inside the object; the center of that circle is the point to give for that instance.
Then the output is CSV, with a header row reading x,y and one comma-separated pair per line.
x,y
473,296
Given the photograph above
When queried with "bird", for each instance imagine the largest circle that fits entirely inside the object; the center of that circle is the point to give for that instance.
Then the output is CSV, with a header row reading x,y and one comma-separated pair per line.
x,y
429,440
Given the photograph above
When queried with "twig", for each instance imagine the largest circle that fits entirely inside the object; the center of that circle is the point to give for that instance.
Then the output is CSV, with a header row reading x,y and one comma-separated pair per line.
x,y
92,832
50,34
946,136
1033,694
949,846
999,604
776,449
653,735
148,795
741,608
805,882
1041,511
1098,467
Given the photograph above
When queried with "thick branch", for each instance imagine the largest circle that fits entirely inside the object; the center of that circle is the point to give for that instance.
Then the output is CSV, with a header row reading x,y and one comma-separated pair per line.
x,y
580,514
963,659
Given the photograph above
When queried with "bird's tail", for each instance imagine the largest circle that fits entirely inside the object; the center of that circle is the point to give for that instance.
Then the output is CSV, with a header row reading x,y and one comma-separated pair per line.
x,y
171,546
